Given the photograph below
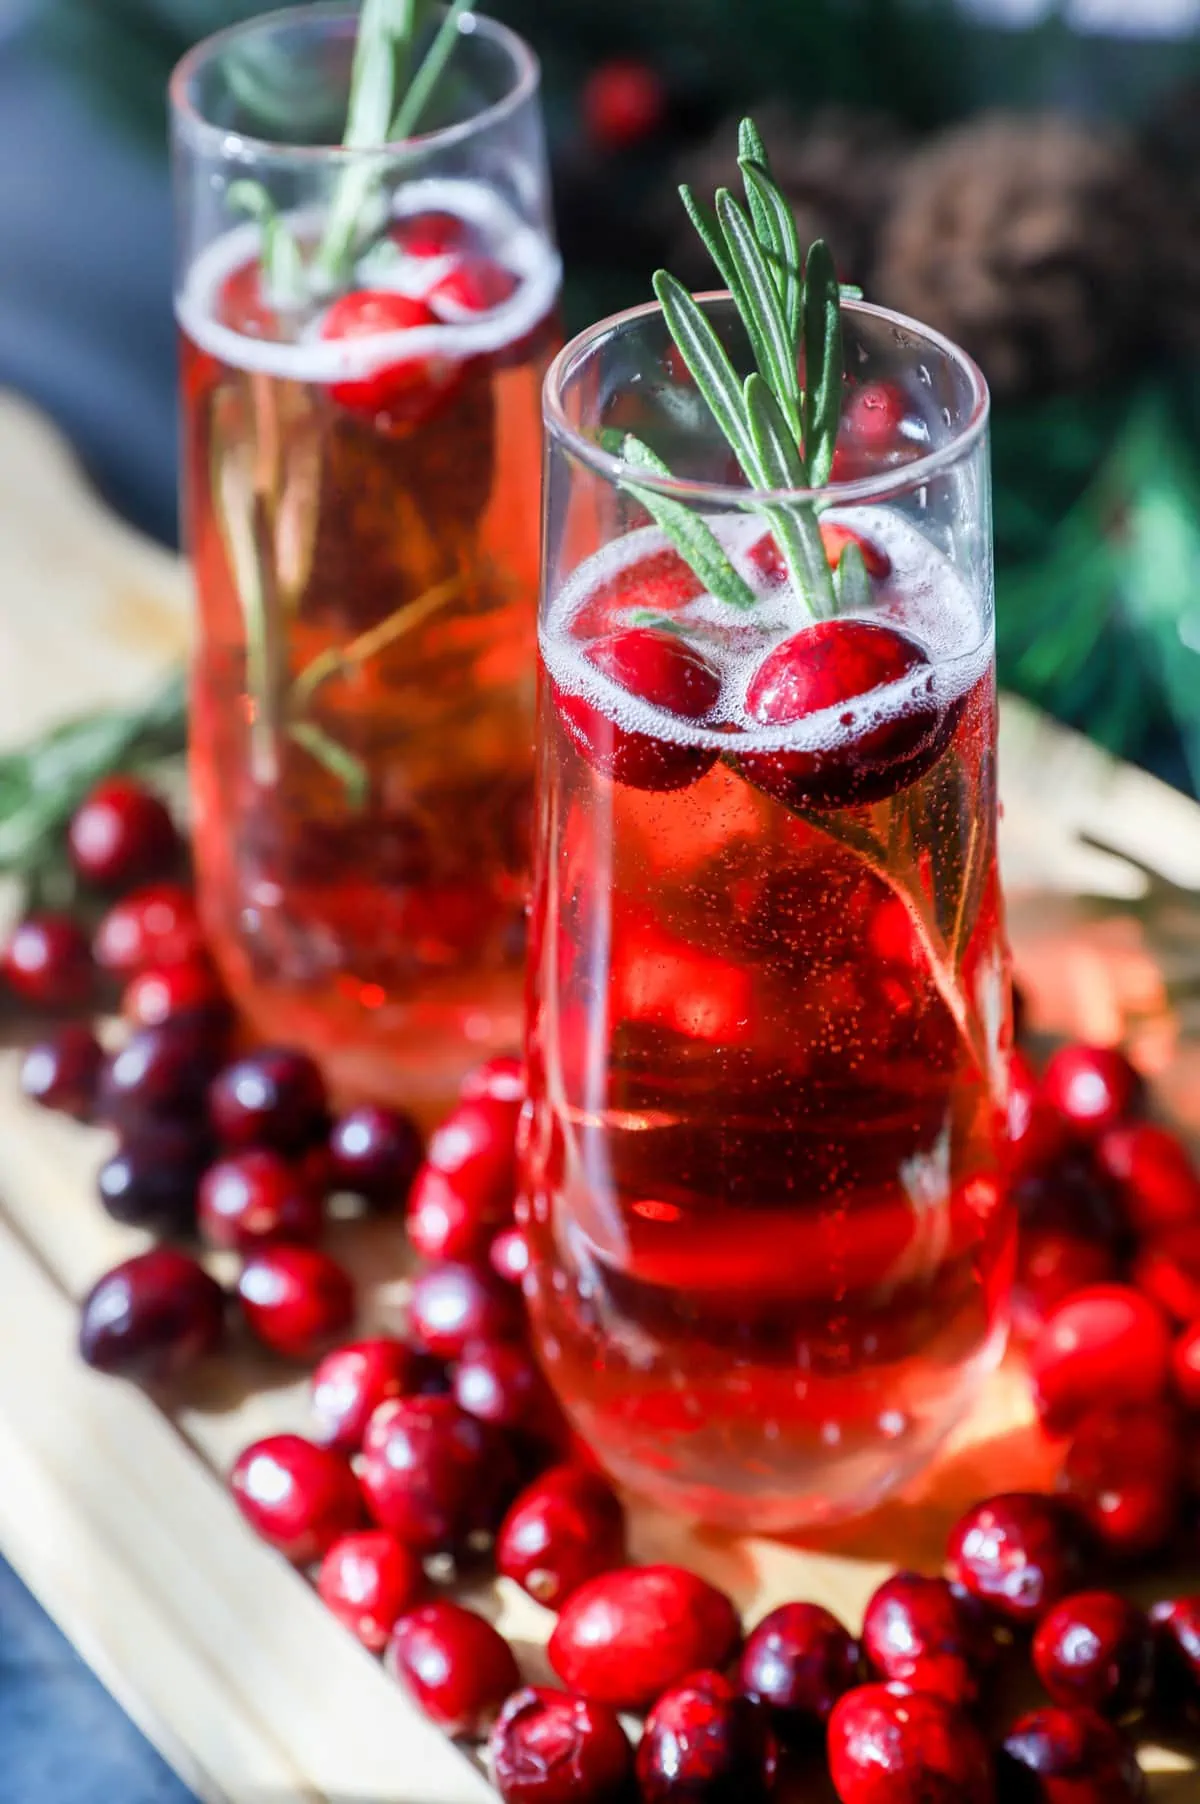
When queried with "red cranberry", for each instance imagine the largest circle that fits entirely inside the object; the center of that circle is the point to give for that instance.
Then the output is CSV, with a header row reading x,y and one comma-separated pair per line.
x,y
703,1744
296,1299
121,834
433,234
152,1179
873,417
432,1475
508,1255
565,1528
798,1662
836,664
1052,1264
1016,1553
375,1154
922,1634
1105,1342
368,1580
501,1382
298,1497
409,386
1037,1134
159,1073
1068,1757
273,1097
624,102
441,1223
548,1748
156,925
1176,1626
351,1382
1123,1473
1168,1271
1093,1088
166,992
1096,1650
1071,1194
663,671
1159,1185
623,1637
256,1199
46,962
1185,1368
887,1746
475,285
61,1072
501,1079
457,1666
452,1305
152,1317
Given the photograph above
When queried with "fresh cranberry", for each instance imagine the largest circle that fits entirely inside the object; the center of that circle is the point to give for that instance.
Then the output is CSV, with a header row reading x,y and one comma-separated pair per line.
x,y
1185,1367
920,1633
61,1072
1072,1194
1062,1756
1037,1134
1176,1626
273,1097
1052,1264
1167,1270
351,1382
368,1580
1159,1184
767,558
156,925
501,1079
703,1744
375,1153
167,992
501,1382
256,1199
153,1178
1096,1650
548,1748
623,1637
835,664
476,285
466,1187
243,305
433,234
660,583
451,1305
664,671
160,1073
408,386
873,417
152,1317
624,103
296,1299
798,1662
432,1475
46,962
1105,1342
1093,1088
456,1665
1123,1473
299,1497
565,1528
122,834
888,1746
1017,1553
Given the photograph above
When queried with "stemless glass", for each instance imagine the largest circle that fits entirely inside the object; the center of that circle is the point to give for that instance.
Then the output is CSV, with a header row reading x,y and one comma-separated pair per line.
x,y
360,498
768,1024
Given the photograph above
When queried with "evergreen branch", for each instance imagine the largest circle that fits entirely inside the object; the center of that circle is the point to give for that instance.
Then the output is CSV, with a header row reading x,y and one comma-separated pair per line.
x,y
420,89
281,258
823,362
852,581
776,225
692,536
349,770
711,370
759,304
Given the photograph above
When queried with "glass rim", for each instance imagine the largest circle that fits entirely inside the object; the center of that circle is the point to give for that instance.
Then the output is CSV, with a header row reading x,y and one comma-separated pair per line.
x,y
234,145
877,486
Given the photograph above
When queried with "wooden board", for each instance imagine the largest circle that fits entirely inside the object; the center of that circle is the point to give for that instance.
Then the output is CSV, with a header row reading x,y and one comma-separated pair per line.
x,y
114,1510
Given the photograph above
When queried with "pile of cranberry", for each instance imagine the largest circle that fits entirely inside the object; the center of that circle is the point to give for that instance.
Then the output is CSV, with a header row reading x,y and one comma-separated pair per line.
x,y
432,1451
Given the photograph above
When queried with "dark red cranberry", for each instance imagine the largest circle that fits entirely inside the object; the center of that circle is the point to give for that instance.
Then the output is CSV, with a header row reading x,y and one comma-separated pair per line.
x,y
624,103
837,665
873,419
409,388
664,672
1037,1134
508,1255
1123,1473
1068,1757
1167,1270
160,1073
623,1637
166,992
1158,1182
1108,1342
1093,1088
452,1305
1052,1264
1185,1368
1176,1626
434,1476
923,1634
466,1187
152,1317
1096,1650
501,1079
351,1382
565,1528
458,1668
1018,1553
296,1299
256,1198
501,1382
888,1746
121,834
62,1071
47,963
156,925
798,1662
703,1744
273,1097
1070,1193
433,234
441,1223
375,1154
152,1179
298,1497
548,1748
368,1580
475,285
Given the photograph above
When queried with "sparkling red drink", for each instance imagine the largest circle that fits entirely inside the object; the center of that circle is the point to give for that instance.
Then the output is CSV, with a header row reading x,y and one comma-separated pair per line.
x,y
768,1015
360,502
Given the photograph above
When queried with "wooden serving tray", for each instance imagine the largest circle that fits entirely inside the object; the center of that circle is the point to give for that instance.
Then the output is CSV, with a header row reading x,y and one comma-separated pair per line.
x,y
113,1508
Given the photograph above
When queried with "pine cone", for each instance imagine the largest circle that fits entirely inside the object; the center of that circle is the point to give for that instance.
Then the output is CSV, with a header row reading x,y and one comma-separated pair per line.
x,y
1172,145
1020,237
838,170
